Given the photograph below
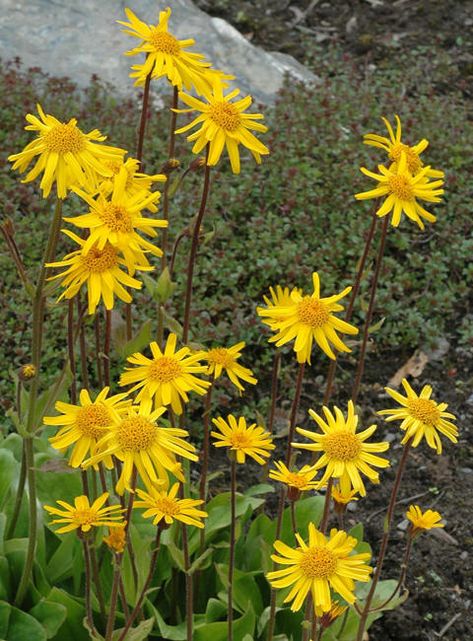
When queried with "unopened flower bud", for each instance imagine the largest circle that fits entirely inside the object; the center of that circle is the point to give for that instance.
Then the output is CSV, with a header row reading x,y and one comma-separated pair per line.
x,y
27,372
169,166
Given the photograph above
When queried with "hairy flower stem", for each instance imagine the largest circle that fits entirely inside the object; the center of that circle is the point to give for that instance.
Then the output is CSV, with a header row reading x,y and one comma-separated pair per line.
x,y
88,600
106,347
172,142
119,561
385,540
36,340
353,295
204,456
369,313
146,585
231,562
18,498
292,425
402,576
70,349
193,251
292,505
83,349
98,350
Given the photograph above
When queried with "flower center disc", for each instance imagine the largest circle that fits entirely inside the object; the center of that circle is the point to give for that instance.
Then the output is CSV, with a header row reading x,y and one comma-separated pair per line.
x,y
414,163
296,480
318,563
116,218
240,440
401,187
100,260
164,43
167,506
343,446
312,312
424,410
220,356
92,418
164,369
225,115
136,433
64,138
84,517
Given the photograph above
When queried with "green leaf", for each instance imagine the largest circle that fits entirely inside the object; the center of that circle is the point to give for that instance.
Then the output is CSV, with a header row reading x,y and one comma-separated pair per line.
x,y
215,610
171,632
22,626
137,344
140,633
60,564
219,631
219,511
164,287
72,627
56,485
201,562
50,615
5,611
172,324
5,579
308,510
261,488
8,466
46,400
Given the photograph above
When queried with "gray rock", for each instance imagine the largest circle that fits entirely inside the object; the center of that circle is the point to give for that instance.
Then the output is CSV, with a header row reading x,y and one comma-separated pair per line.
x,y
78,39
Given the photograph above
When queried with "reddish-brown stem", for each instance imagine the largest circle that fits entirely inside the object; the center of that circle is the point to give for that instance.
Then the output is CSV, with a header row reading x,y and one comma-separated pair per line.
x,y
328,497
88,604
172,141
353,295
106,347
143,118
98,349
193,251
274,389
293,516
204,455
294,408
384,540
70,349
402,576
231,562
292,425
146,585
82,348
369,313
189,586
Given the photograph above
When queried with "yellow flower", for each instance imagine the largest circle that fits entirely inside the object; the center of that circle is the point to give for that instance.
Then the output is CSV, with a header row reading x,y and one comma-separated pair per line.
x,y
326,562
84,424
421,417
116,539
345,453
395,147
244,440
225,359
166,55
168,376
100,270
327,618
402,191
27,372
299,479
308,318
135,182
423,521
116,220
67,156
224,124
341,497
85,516
138,441
166,505
279,297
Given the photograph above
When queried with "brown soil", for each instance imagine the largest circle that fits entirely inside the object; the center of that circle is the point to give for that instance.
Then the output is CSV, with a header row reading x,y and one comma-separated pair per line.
x,y
440,577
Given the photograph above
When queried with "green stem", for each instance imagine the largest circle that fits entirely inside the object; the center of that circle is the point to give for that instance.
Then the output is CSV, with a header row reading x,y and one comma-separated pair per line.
x,y
88,603
231,563
19,497
37,333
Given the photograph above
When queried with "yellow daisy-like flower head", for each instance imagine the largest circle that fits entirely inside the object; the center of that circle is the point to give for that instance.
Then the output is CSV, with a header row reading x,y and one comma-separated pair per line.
x,y
344,452
307,319
66,155
301,480
138,441
167,507
423,520
166,55
242,439
422,417
402,191
116,539
117,219
324,563
327,618
135,180
167,376
224,359
85,516
395,148
341,498
224,124
82,425
100,271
